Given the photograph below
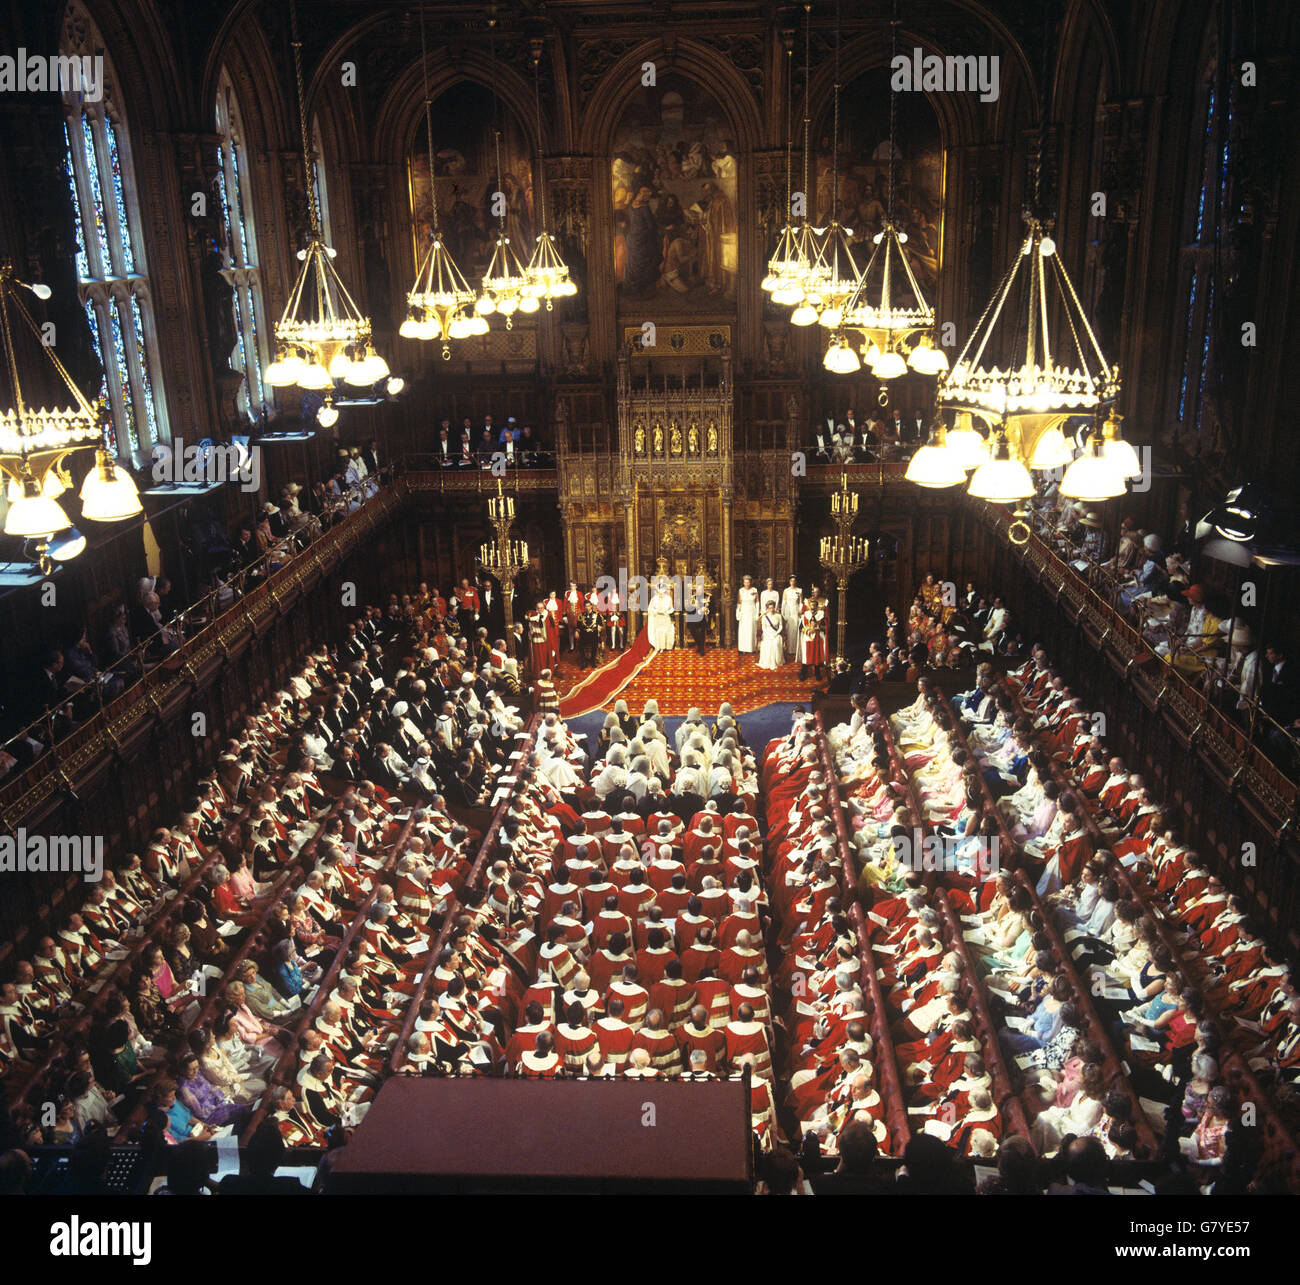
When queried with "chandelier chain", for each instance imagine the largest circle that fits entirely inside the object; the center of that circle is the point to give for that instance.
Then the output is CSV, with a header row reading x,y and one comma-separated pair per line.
x,y
807,91
496,114
835,126
309,187
9,349
541,167
428,122
893,111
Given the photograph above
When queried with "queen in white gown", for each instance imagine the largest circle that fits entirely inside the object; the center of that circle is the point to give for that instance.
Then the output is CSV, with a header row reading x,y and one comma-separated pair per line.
x,y
659,623
747,617
771,651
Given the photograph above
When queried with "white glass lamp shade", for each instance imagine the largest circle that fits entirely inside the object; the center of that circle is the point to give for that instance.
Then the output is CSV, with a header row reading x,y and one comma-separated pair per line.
x,y
1051,451
34,514
108,494
1123,456
968,447
1092,477
1002,481
314,377
284,373
889,365
935,468
840,358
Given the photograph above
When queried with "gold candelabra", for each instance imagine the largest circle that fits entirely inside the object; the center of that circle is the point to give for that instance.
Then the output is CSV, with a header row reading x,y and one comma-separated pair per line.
x,y
843,553
504,559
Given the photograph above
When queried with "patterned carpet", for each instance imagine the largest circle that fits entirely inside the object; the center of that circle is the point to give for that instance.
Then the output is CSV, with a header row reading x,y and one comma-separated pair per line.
x,y
681,679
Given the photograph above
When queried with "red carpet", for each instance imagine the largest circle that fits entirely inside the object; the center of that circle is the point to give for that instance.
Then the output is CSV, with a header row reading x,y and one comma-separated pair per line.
x,y
680,679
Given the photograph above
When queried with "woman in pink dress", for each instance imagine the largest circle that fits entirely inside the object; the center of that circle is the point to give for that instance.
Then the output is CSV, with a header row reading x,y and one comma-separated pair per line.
x,y
163,978
1210,1138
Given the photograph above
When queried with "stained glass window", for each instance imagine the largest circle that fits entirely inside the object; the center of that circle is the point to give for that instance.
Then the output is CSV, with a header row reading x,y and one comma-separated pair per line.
x,y
83,264
1205,165
96,194
239,251
111,269
122,366
1205,355
119,199
1210,154
1187,349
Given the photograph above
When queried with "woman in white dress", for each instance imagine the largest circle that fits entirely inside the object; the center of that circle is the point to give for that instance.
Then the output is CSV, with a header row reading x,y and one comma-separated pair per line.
x,y
1073,1111
747,617
791,611
659,626
771,653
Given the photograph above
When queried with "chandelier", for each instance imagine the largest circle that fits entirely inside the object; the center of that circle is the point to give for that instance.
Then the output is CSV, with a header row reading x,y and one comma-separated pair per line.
x,y
1054,371
503,558
439,303
35,444
792,262
886,311
1044,383
834,276
507,287
322,339
546,270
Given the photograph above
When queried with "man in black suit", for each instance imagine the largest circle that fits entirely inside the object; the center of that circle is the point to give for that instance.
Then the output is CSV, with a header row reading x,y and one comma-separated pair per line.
x,y
655,801
48,682
841,679
446,448
262,1157
697,619
1278,699
346,766
518,644
492,613
865,442
531,448
686,804
854,1176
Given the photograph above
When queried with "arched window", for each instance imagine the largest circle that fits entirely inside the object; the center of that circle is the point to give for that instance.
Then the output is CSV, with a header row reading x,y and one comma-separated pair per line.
x,y
1209,171
111,266
239,253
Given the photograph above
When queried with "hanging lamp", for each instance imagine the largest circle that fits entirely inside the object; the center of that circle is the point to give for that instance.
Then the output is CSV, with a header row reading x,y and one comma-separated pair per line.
x,y
1017,368
323,338
546,270
887,310
507,287
439,304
